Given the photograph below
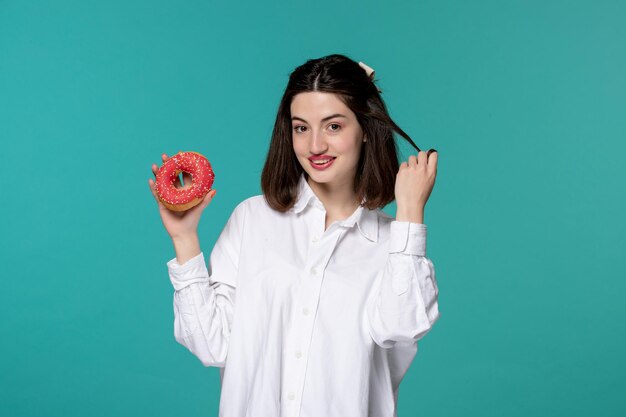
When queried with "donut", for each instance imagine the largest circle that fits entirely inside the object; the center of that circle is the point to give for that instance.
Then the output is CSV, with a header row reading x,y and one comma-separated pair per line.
x,y
202,176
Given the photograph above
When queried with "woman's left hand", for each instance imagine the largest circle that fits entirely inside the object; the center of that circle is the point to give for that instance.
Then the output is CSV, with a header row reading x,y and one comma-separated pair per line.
x,y
415,181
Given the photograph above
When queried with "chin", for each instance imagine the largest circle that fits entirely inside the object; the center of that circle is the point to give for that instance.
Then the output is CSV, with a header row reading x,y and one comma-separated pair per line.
x,y
323,177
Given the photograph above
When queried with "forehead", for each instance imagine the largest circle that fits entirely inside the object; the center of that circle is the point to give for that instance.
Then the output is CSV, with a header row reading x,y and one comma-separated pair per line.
x,y
317,105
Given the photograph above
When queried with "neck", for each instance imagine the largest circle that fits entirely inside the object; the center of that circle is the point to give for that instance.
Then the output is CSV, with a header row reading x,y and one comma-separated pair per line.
x,y
339,199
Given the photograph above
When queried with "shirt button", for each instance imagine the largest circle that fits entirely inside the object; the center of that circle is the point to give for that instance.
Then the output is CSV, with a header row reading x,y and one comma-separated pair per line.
x,y
315,239
298,354
305,311
291,396
313,271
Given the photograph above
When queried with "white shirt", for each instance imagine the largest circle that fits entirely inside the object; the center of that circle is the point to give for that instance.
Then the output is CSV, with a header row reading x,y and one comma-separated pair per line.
x,y
305,321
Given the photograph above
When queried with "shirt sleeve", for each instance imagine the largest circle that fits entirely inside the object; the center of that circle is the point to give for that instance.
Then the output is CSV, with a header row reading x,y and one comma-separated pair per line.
x,y
204,298
404,305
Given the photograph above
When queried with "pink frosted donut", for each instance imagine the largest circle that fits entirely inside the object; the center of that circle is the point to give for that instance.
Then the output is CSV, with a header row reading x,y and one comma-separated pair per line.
x,y
202,176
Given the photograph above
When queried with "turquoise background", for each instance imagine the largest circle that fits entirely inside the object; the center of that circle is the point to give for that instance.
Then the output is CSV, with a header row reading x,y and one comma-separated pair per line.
x,y
524,100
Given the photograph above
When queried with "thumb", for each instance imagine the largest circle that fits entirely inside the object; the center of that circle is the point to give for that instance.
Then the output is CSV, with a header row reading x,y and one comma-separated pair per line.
x,y
199,208
208,198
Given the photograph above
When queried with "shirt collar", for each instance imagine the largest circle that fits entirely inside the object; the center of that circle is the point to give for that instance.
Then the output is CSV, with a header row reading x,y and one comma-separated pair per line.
x,y
366,219
305,196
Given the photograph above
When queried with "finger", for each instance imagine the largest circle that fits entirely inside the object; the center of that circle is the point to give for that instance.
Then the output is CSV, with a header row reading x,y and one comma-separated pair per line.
x,y
432,160
205,201
187,178
422,158
156,196
412,161
155,169
164,157
152,189
209,197
404,165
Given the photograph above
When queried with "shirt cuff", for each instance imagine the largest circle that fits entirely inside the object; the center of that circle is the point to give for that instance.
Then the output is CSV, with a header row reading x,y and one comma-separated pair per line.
x,y
408,238
192,271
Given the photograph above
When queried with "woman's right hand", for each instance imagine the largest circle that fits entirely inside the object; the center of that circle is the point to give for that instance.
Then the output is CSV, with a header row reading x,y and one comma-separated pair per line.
x,y
180,225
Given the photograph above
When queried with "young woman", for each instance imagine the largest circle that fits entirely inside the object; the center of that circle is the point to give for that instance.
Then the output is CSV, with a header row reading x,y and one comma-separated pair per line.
x,y
314,299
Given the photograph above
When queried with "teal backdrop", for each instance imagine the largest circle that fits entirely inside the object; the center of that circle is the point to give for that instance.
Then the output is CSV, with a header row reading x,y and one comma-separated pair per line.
x,y
524,100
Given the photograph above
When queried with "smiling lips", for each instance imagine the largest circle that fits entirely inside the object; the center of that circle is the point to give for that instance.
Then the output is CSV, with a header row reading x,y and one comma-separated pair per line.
x,y
321,161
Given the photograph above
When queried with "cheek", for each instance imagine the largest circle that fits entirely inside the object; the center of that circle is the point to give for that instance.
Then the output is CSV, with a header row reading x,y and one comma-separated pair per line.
x,y
348,147
296,145
298,148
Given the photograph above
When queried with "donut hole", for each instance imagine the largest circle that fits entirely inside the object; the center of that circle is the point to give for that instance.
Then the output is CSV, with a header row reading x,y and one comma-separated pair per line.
x,y
183,181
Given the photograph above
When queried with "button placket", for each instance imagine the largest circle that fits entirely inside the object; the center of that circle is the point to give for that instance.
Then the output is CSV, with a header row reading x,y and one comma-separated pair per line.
x,y
308,297
295,360
296,369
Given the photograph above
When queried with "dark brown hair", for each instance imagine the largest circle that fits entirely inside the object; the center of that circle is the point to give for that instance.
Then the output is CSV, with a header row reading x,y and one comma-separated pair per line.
x,y
378,164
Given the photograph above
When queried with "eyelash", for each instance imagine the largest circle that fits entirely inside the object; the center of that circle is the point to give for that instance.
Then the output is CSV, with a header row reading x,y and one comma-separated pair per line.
x,y
336,124
332,124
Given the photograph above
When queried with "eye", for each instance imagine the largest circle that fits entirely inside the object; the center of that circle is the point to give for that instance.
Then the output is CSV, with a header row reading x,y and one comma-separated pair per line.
x,y
298,127
335,124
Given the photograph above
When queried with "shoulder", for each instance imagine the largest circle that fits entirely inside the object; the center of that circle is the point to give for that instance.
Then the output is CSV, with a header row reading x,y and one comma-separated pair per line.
x,y
384,224
254,214
255,204
384,219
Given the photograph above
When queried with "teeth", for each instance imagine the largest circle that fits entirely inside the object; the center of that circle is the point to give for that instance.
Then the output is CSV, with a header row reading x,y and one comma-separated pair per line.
x,y
321,162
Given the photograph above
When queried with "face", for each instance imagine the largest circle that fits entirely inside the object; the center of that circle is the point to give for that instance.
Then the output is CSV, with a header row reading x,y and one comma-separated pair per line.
x,y
325,130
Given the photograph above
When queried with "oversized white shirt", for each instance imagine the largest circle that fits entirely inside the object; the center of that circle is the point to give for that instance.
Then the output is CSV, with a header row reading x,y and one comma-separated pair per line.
x,y
307,322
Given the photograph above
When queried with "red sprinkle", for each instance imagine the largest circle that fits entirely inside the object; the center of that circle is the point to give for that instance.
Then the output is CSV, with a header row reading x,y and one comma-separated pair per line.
x,y
193,163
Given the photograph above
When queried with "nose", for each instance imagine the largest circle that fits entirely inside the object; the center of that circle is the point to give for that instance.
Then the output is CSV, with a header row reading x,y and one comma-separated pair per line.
x,y
318,142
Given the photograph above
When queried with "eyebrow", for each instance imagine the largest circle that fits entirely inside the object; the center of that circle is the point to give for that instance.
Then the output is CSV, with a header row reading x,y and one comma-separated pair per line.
x,y
323,120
